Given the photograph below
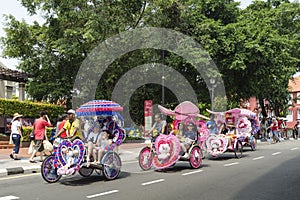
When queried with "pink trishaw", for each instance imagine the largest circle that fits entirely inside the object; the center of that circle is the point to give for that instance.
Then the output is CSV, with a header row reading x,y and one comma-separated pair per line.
x,y
240,124
166,150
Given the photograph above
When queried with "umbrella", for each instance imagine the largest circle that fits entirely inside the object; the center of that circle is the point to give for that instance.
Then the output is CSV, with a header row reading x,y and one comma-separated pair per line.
x,y
99,107
183,111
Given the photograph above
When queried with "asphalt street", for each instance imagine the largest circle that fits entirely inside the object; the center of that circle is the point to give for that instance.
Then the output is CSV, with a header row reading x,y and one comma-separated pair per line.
x,y
271,172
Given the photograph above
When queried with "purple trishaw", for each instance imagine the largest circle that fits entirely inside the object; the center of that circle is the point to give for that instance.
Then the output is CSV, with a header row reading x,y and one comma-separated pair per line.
x,y
70,156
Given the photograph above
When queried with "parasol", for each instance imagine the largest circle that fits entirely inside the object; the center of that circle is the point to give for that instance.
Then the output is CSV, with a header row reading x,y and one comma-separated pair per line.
x,y
183,111
99,107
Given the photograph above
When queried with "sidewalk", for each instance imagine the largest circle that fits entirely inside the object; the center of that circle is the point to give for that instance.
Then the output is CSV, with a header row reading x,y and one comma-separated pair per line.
x,y
128,152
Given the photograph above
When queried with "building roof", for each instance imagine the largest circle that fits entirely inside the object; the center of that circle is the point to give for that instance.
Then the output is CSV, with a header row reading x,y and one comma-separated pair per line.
x,y
12,75
294,84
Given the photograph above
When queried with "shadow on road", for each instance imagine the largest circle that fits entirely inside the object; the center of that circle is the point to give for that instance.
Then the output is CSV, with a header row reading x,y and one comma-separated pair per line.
x,y
282,182
80,181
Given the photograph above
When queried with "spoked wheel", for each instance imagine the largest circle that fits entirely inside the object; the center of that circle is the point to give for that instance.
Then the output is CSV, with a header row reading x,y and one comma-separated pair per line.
x,y
195,157
48,171
85,171
253,144
111,165
238,150
146,158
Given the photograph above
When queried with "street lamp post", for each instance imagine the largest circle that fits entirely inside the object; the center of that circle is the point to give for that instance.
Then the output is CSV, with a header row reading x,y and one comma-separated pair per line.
x,y
163,79
213,86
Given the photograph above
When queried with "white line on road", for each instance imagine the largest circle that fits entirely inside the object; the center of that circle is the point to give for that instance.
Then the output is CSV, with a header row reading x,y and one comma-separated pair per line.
x,y
130,152
194,172
102,194
230,164
129,162
276,153
9,197
294,148
152,182
258,158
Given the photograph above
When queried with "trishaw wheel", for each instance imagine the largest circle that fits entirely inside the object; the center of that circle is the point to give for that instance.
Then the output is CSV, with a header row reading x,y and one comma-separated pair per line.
x,y
85,171
196,157
238,150
111,165
146,158
48,171
253,144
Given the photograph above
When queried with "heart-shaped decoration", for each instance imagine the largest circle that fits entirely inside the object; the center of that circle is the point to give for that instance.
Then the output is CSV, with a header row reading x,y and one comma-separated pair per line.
x,y
70,153
216,144
167,151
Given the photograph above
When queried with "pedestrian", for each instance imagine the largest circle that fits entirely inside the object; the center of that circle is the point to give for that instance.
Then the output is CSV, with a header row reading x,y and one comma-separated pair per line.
x,y
263,128
72,127
296,130
274,130
40,134
16,135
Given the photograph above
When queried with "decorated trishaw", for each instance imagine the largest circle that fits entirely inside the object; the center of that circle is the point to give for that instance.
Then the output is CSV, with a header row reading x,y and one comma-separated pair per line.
x,y
166,150
236,129
70,156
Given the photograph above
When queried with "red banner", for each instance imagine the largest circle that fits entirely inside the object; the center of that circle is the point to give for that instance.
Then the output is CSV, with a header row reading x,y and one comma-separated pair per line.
x,y
148,114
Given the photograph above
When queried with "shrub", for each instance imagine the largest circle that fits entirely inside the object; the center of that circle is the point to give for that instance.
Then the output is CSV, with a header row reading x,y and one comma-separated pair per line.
x,y
29,109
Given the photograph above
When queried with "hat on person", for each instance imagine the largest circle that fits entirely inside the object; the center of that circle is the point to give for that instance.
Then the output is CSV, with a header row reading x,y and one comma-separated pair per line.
x,y
16,116
71,111
190,124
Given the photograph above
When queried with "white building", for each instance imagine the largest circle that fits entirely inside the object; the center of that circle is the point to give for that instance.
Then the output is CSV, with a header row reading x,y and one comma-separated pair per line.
x,y
12,83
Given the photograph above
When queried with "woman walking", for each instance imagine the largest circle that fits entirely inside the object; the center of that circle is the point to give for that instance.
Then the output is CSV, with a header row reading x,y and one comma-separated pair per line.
x,y
16,135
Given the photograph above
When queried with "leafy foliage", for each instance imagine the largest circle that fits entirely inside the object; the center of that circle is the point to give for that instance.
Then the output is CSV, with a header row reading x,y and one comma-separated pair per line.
x,y
29,109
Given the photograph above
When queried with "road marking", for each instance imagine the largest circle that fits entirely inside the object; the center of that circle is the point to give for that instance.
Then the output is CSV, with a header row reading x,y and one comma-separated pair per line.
x,y
129,162
294,148
19,176
230,164
258,158
129,152
102,194
152,182
273,154
10,197
194,172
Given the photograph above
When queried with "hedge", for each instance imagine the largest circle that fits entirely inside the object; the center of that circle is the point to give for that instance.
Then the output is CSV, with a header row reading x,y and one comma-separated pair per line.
x,y
29,109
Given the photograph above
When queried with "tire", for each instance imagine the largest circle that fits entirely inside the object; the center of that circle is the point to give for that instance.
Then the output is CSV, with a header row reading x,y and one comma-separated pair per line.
x,y
238,150
253,144
111,165
195,157
48,171
146,158
85,171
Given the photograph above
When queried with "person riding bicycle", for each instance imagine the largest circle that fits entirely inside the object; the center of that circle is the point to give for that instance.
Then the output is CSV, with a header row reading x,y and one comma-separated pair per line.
x,y
159,127
190,135
72,127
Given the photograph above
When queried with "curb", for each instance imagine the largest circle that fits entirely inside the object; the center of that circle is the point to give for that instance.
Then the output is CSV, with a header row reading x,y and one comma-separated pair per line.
x,y
282,139
19,170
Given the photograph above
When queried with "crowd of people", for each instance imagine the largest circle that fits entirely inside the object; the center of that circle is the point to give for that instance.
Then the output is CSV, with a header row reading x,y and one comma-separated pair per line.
x,y
274,128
